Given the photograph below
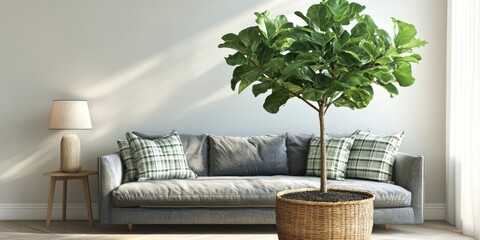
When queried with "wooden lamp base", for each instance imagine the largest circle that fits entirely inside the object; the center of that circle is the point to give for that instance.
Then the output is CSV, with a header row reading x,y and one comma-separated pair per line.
x,y
70,153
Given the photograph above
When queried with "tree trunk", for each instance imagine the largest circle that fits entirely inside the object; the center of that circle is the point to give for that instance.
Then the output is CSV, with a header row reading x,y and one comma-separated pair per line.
x,y
323,149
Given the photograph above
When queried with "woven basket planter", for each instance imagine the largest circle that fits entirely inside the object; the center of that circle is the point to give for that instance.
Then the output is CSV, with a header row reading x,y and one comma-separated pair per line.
x,y
303,220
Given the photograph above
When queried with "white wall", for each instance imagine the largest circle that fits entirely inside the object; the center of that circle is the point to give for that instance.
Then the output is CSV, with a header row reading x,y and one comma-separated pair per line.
x,y
154,66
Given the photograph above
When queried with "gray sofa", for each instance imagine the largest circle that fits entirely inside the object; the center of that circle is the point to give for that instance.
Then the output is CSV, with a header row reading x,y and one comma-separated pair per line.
x,y
220,196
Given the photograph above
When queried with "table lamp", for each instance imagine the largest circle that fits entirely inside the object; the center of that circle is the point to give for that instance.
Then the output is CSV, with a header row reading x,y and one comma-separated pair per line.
x,y
70,115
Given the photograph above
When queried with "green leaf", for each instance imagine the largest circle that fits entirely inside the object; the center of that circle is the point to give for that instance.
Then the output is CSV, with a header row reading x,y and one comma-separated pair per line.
x,y
312,94
266,24
340,10
303,17
290,87
236,59
237,73
355,8
384,60
391,52
356,81
260,88
274,65
248,78
411,58
284,43
415,43
269,26
383,76
384,37
391,89
322,38
250,37
359,54
403,74
274,101
360,30
404,32
333,88
372,50
366,19
293,68
232,41
264,53
355,98
320,16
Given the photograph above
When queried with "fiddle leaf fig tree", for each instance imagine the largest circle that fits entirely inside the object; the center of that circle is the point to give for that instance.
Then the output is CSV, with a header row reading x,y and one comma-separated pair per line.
x,y
333,59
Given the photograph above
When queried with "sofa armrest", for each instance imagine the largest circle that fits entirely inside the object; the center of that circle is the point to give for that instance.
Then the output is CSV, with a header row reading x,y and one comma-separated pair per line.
x,y
110,171
409,173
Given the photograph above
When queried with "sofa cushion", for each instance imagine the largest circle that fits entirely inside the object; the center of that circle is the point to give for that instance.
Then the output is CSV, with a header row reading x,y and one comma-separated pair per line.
x,y
195,148
337,151
297,152
248,156
129,172
162,158
247,191
372,156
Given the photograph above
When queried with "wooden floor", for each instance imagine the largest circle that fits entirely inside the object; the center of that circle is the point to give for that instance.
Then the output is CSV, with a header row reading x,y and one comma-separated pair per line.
x,y
34,230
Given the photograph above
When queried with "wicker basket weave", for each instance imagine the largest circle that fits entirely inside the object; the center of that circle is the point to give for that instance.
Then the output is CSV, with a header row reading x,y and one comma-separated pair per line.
x,y
303,220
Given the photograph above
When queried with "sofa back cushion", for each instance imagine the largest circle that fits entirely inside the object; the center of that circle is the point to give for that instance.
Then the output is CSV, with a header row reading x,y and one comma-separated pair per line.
x,y
195,148
297,152
248,156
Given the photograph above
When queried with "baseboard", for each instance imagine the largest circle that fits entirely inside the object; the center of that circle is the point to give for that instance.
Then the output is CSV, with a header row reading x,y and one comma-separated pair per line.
x,y
38,211
435,211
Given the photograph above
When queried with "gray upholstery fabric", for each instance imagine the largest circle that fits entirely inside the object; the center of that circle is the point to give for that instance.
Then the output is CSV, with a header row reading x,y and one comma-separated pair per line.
x,y
248,156
110,171
231,216
195,148
251,191
394,216
297,152
192,216
196,152
409,172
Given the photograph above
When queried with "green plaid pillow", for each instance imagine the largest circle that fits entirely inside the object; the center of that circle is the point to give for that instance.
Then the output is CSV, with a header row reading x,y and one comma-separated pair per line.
x,y
372,156
162,158
337,151
130,173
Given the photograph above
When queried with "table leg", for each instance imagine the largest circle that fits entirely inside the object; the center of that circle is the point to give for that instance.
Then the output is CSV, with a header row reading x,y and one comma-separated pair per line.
x,y
64,209
50,199
86,187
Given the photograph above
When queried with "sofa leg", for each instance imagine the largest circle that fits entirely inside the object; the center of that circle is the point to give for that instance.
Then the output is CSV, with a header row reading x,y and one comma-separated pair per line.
x,y
130,227
386,226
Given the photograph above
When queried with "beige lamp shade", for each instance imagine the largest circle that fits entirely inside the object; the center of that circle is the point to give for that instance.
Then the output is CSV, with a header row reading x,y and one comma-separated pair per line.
x,y
70,114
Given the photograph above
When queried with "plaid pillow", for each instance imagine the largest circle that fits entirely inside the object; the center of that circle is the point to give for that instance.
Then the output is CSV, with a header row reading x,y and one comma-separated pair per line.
x,y
130,173
337,151
162,158
372,156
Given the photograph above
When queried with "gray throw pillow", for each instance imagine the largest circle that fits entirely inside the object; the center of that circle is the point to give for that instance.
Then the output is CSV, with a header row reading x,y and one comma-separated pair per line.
x,y
248,156
372,156
158,159
195,148
297,152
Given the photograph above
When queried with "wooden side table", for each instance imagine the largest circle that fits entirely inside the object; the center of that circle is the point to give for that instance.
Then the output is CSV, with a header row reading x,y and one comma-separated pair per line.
x,y
58,175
